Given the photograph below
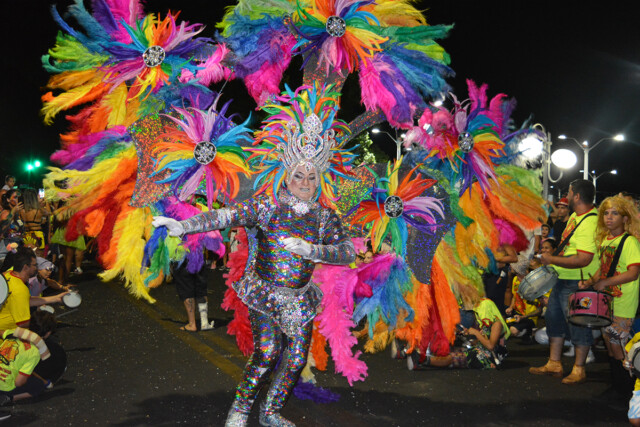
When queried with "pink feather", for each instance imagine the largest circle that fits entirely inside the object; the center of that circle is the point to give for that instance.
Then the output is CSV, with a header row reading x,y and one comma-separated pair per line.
x,y
335,324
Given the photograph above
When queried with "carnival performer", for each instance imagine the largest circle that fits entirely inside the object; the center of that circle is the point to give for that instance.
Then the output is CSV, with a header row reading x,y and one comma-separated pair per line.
x,y
291,231
573,257
617,233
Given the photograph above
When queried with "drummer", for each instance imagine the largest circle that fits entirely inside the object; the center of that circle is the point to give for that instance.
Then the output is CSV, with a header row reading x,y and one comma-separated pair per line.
x,y
575,257
617,218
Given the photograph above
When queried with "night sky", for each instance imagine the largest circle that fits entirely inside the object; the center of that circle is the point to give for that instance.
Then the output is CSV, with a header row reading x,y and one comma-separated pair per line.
x,y
574,69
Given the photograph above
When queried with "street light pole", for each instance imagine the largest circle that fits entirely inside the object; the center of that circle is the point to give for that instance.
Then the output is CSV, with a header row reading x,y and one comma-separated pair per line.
x,y
586,149
595,177
397,141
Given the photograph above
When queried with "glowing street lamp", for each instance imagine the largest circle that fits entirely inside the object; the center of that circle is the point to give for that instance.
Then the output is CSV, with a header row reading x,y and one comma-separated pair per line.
x,y
586,148
537,143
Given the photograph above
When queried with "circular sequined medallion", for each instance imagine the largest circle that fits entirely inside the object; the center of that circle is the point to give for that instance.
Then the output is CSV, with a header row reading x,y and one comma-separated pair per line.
x,y
204,152
153,56
465,142
336,26
393,206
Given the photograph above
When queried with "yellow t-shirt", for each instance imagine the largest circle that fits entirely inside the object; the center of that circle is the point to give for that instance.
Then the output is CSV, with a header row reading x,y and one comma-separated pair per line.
x,y
16,357
522,306
583,240
625,301
16,308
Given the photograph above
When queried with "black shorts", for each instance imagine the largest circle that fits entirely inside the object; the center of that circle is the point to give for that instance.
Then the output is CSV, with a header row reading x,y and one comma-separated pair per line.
x,y
190,285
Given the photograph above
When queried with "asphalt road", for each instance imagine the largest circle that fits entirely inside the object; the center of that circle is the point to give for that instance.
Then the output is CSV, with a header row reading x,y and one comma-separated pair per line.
x,y
130,365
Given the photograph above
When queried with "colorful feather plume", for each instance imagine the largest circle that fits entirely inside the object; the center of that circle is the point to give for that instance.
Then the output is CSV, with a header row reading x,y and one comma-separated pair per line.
x,y
463,143
202,146
393,205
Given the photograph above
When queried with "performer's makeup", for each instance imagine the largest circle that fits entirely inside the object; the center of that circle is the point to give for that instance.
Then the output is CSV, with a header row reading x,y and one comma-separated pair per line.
x,y
303,183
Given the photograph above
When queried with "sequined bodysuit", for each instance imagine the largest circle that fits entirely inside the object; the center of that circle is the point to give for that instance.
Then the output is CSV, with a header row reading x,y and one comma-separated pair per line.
x,y
276,285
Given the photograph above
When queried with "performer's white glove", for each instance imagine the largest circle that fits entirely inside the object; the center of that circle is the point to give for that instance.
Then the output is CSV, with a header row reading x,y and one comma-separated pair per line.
x,y
297,246
173,227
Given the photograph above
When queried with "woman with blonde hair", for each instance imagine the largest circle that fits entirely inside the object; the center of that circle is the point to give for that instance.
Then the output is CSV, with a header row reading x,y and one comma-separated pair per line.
x,y
617,236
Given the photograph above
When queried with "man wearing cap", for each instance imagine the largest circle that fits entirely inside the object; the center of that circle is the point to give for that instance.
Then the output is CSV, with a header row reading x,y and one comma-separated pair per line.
x,y
562,212
573,261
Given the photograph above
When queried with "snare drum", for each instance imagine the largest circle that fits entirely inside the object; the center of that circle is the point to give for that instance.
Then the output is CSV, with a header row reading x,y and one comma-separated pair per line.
x,y
590,308
537,283
4,290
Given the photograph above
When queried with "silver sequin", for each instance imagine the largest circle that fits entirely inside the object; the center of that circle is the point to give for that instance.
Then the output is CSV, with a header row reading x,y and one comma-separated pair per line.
x,y
393,206
465,142
335,26
204,152
153,56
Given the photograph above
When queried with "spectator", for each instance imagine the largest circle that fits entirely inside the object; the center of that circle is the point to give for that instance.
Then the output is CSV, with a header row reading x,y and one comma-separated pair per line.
x,y
9,183
523,314
32,216
545,232
9,224
16,309
42,280
495,283
72,252
562,216
45,324
18,361
192,290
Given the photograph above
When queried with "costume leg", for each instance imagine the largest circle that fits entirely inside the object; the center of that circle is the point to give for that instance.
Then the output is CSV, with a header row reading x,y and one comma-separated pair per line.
x,y
267,344
293,360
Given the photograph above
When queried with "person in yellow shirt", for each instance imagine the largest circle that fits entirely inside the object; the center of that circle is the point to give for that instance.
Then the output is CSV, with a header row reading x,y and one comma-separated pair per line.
x,y
15,311
618,232
523,314
573,257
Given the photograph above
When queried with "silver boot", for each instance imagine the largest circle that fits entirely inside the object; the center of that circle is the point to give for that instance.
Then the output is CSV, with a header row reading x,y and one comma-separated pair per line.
x,y
274,420
236,418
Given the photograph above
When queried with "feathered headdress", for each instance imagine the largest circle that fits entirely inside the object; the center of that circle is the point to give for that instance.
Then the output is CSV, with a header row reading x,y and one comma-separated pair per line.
x,y
302,130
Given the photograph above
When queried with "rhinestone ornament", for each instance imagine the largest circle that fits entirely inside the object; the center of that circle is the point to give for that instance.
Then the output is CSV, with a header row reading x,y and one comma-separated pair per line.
x,y
465,142
153,56
393,206
336,27
204,152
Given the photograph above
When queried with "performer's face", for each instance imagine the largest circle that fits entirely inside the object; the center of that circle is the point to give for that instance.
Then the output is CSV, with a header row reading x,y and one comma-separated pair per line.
x,y
303,183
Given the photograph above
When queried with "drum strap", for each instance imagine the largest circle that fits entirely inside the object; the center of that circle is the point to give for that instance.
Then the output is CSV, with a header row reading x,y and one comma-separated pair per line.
x,y
616,256
564,243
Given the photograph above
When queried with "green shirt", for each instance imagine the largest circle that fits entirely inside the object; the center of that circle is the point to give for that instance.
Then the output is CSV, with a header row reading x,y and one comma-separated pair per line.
x,y
16,357
487,314
625,301
583,240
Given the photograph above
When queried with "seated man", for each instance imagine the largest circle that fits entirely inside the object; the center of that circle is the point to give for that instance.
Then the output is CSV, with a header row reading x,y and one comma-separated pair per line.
x,y
18,359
